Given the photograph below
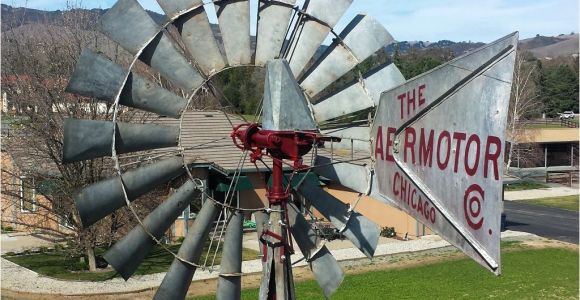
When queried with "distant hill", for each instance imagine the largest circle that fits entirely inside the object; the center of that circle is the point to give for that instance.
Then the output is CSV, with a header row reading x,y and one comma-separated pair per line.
x,y
551,47
18,16
458,48
540,46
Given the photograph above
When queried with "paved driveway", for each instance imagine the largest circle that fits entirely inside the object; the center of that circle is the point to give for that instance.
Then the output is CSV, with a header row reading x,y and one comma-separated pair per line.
x,y
544,221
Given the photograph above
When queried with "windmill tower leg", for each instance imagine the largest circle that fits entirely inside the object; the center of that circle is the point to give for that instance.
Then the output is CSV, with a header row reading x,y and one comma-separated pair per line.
x,y
277,282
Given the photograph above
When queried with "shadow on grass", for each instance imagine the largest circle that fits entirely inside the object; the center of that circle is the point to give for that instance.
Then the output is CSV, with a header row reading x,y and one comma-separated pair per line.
x,y
62,265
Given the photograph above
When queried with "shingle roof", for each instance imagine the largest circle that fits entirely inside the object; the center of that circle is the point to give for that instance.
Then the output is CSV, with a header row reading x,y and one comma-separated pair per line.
x,y
205,136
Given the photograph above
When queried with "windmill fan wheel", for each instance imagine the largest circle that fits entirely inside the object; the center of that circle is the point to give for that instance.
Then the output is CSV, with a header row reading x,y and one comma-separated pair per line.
x,y
298,116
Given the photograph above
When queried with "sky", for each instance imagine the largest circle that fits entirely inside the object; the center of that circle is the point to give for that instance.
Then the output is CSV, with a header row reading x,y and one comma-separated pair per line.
x,y
426,20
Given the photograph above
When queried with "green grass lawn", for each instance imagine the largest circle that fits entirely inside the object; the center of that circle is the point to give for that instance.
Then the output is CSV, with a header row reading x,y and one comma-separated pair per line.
x,y
58,265
545,126
526,185
527,274
566,202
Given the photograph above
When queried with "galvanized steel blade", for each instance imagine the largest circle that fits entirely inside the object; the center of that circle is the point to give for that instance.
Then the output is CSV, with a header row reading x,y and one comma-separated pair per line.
x,y
363,233
273,22
362,133
234,23
177,280
86,139
353,176
128,253
163,55
360,95
139,137
98,77
311,33
89,139
128,24
441,138
285,106
145,95
328,273
198,37
230,280
353,138
175,8
100,199
359,40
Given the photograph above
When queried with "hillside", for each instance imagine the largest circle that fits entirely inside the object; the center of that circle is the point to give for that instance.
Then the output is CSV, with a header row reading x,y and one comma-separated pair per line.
x,y
551,46
566,47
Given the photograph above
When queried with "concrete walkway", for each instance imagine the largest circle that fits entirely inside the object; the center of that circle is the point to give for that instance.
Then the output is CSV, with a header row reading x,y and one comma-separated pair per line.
x,y
17,278
557,191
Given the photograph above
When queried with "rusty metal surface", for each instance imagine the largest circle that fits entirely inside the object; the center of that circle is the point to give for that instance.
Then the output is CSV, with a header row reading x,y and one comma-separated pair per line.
x,y
177,280
273,21
200,41
363,233
100,199
234,22
230,280
312,33
90,139
359,40
328,273
438,145
285,107
359,96
128,253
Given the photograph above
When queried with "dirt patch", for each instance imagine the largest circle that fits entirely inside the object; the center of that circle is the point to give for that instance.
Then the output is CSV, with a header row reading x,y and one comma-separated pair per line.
x,y
546,243
387,262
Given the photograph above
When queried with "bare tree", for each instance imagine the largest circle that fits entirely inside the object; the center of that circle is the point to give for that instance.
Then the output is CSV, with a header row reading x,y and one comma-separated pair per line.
x,y
38,60
524,103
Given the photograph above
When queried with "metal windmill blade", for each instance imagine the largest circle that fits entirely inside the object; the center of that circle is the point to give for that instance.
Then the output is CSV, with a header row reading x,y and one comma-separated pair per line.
x,y
298,117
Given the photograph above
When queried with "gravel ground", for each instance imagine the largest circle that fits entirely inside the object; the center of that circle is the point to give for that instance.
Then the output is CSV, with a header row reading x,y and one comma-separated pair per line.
x,y
17,278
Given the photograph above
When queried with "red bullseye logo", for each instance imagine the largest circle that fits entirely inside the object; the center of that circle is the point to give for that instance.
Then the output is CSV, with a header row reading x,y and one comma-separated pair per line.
x,y
473,205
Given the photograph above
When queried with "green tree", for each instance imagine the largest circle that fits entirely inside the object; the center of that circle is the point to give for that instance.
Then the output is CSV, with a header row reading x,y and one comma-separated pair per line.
x,y
558,88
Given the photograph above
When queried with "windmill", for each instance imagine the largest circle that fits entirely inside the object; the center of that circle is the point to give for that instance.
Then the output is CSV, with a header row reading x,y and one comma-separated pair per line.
x,y
431,146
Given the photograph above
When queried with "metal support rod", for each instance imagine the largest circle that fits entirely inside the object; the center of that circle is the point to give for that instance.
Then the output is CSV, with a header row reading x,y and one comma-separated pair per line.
x,y
280,283
572,155
546,156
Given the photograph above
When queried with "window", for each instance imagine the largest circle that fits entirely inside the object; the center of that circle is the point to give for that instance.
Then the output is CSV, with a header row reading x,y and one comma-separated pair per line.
x,y
27,194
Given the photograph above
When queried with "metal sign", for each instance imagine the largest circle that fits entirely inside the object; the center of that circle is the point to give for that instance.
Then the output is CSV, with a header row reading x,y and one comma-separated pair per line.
x,y
438,145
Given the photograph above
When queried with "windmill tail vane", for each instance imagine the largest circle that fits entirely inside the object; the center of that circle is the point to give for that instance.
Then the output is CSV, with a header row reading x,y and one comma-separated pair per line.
x,y
404,139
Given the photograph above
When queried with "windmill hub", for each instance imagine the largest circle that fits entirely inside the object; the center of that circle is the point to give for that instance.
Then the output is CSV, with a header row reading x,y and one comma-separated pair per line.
x,y
280,145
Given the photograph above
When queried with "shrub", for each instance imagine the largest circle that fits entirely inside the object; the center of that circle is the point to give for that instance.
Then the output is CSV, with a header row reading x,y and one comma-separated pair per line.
x,y
388,232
